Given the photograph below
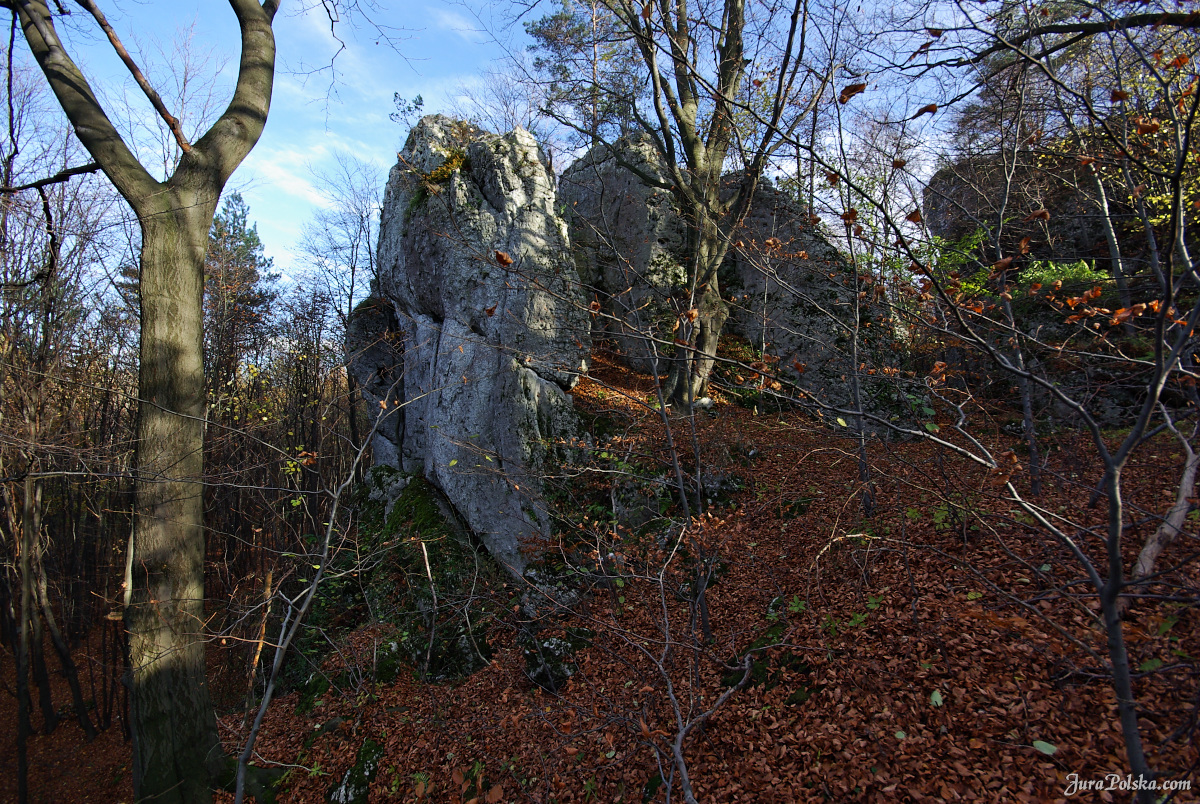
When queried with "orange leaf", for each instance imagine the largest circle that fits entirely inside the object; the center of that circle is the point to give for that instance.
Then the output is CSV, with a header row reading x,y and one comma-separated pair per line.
x,y
1002,264
457,776
646,12
571,750
929,108
1178,61
495,794
503,258
914,216
832,178
1023,246
491,311
935,32
899,163
1038,215
850,215
1118,95
919,51
1086,160
850,91
1147,127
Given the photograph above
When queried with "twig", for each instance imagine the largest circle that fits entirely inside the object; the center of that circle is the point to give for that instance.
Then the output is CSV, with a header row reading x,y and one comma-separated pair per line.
x,y
57,178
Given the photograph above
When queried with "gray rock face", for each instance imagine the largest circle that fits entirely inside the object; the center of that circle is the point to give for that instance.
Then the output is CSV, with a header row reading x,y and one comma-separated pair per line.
x,y
965,196
490,323
629,244
375,360
786,283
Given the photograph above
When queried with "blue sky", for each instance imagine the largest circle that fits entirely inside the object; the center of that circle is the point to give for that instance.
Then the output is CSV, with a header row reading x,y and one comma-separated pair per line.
x,y
438,46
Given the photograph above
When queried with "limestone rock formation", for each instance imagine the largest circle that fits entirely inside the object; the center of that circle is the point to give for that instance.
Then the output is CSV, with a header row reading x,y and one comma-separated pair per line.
x,y
373,346
786,284
966,196
629,244
789,295
490,327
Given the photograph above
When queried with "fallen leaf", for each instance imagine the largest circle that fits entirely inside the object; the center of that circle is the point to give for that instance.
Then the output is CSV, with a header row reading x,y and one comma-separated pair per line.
x,y
503,258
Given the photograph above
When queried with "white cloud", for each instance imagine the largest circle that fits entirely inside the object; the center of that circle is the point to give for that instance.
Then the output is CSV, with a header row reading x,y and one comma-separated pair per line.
x,y
457,23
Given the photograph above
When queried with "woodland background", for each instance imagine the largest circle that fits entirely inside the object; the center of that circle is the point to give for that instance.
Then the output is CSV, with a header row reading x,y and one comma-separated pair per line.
x,y
972,594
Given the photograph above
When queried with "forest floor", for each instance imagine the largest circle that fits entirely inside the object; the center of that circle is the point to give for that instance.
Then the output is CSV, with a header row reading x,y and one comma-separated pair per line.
x,y
926,653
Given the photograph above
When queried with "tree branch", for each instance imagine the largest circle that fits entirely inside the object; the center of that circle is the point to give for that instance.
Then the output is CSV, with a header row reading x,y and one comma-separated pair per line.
x,y
155,100
57,178
95,131
226,144
1179,20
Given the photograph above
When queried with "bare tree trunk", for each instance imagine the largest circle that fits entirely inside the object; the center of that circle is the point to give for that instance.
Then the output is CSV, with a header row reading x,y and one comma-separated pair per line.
x,y
696,350
37,655
176,751
64,656
1172,524
24,728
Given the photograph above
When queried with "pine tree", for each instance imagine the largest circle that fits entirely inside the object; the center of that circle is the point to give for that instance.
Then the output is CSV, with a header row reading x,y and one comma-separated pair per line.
x,y
238,294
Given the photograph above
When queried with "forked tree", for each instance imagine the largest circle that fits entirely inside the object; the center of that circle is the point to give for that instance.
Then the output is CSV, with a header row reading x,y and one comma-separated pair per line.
x,y
177,754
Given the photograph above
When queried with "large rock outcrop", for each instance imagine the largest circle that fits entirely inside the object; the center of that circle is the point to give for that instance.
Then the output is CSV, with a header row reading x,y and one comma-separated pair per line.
x,y
792,297
966,196
629,244
786,284
489,330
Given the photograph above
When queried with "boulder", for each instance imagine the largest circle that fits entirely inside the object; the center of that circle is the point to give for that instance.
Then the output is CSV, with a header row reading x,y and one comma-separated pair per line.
x,y
490,327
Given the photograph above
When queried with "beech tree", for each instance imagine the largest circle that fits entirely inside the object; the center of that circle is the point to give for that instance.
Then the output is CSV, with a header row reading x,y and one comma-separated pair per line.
x,y
177,753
